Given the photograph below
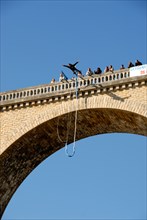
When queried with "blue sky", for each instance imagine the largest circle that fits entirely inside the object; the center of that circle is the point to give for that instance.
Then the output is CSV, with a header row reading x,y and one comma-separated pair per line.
x,y
106,179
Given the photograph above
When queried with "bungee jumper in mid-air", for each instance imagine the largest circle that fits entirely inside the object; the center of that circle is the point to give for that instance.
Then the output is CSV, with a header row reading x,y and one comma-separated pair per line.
x,y
72,67
75,71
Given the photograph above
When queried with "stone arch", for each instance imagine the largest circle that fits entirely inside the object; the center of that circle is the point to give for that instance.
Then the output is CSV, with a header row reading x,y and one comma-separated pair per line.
x,y
39,139
51,111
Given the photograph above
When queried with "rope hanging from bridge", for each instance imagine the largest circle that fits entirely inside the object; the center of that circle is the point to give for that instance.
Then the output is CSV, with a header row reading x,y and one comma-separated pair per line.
x,y
69,124
75,125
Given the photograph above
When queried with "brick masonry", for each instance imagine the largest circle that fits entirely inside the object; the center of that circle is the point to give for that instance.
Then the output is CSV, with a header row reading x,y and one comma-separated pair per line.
x,y
32,133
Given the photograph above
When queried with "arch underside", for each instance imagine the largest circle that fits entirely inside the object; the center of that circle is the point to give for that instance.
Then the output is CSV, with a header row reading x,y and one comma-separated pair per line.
x,y
42,141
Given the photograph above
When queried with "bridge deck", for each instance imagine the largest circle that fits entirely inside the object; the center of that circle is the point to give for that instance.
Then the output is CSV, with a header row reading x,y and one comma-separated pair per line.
x,y
54,91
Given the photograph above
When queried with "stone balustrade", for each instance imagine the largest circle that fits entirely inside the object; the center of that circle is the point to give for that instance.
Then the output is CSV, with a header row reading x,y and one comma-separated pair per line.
x,y
60,87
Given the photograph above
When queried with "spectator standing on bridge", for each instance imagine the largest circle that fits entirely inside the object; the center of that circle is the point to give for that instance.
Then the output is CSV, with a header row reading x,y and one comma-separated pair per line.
x,y
138,63
53,80
111,69
89,72
106,69
122,67
61,77
130,64
98,71
79,74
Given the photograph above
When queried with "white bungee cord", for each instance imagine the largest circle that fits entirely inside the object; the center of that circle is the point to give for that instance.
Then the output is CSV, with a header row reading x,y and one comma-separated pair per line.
x,y
69,124
75,125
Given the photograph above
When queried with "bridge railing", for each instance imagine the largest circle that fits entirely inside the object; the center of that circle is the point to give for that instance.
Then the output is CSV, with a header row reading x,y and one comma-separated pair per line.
x,y
58,87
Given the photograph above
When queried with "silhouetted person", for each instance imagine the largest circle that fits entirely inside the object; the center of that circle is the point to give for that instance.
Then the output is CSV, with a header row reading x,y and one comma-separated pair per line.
x,y
72,67
130,65
98,71
138,63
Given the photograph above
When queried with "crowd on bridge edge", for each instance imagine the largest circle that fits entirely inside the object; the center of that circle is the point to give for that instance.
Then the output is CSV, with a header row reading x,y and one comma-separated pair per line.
x,y
89,72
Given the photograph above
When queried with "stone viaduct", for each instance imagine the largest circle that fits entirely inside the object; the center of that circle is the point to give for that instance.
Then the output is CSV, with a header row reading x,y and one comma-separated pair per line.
x,y
33,119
